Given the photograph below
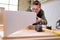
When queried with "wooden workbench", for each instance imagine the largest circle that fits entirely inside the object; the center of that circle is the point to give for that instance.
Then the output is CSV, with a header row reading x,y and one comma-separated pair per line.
x,y
31,35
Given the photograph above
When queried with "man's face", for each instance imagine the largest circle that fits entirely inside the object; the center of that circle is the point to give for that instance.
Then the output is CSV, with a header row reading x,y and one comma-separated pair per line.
x,y
35,8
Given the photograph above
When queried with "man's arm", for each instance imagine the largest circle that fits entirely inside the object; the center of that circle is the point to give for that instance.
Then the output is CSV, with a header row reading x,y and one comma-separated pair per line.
x,y
41,17
45,21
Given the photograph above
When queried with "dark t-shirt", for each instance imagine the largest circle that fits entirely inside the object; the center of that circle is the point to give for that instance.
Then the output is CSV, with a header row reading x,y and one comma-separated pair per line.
x,y
41,15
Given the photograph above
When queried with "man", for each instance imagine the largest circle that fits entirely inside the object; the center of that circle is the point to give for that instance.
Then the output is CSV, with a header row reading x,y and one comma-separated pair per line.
x,y
36,7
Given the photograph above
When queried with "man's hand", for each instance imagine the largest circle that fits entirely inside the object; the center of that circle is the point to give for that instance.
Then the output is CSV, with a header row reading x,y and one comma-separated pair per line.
x,y
39,20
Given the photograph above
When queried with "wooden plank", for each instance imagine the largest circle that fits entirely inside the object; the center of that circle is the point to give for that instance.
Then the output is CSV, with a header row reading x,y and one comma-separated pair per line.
x,y
31,33
40,38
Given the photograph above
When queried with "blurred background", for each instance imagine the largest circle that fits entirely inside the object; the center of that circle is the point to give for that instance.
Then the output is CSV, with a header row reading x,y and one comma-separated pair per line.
x,y
50,7
18,5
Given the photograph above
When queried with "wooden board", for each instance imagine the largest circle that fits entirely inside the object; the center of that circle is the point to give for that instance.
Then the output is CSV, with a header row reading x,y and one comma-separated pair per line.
x,y
31,35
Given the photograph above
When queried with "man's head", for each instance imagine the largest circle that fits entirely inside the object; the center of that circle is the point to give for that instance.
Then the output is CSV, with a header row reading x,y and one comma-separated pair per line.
x,y
36,6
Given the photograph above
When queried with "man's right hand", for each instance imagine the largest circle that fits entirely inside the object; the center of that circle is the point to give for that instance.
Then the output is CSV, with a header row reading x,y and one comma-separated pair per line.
x,y
39,20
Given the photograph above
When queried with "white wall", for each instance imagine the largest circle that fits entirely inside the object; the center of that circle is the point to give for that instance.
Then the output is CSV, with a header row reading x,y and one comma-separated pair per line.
x,y
52,12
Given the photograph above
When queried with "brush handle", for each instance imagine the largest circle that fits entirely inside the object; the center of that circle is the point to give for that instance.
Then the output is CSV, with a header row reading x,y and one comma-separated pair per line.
x,y
55,32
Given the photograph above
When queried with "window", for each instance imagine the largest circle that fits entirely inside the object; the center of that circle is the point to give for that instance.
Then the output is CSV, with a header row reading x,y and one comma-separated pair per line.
x,y
11,7
4,1
14,2
9,4
5,6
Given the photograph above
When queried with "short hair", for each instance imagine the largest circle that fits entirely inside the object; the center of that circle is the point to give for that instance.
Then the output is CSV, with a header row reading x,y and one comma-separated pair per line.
x,y
36,3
